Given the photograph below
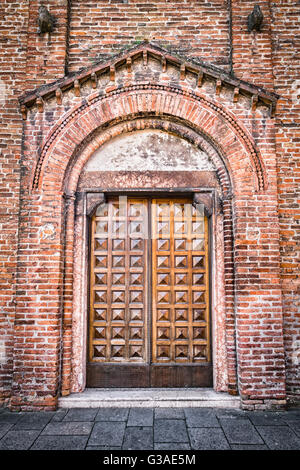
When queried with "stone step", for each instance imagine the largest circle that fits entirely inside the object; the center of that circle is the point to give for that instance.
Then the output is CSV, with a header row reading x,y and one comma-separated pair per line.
x,y
148,398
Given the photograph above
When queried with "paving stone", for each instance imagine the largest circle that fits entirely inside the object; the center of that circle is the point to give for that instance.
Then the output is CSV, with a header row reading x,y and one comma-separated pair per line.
x,y
4,428
230,413
60,443
291,415
172,446
279,437
170,430
112,414
34,420
169,413
81,414
240,431
18,440
208,439
107,434
138,438
201,418
10,417
265,418
68,428
103,448
295,427
248,447
140,417
59,415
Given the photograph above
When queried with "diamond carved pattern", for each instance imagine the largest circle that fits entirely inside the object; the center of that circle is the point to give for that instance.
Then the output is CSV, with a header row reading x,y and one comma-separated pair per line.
x,y
119,287
118,261
163,297
100,244
181,279
163,245
101,278
136,279
163,333
100,314
136,244
119,264
180,261
136,352
99,351
179,287
136,261
118,296
118,333
181,314
136,296
163,279
100,333
163,314
163,352
118,314
118,279
100,297
136,314
118,244
181,297
163,261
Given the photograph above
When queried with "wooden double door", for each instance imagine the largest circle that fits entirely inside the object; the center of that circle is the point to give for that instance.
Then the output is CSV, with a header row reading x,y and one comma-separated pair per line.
x,y
149,294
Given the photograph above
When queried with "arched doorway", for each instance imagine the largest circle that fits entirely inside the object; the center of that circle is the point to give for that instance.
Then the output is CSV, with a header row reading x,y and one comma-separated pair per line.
x,y
149,308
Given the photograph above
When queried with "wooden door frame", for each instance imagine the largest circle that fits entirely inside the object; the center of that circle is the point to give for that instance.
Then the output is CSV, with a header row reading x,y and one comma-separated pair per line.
x,y
92,199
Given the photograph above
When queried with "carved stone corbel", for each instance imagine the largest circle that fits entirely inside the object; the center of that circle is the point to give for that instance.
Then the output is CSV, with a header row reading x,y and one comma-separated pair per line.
x,y
93,200
206,200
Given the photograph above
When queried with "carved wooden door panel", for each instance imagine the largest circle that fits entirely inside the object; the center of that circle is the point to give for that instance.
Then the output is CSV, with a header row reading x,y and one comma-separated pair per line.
x,y
149,295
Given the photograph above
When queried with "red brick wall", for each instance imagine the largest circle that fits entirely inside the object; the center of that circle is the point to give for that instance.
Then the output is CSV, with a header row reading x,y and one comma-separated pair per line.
x,y
286,71
13,36
86,32
195,29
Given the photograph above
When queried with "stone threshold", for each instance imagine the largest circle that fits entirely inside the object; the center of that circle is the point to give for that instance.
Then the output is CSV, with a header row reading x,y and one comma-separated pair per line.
x,y
148,398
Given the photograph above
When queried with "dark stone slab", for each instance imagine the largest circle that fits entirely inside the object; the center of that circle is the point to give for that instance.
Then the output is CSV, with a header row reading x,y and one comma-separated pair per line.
x,y
107,434
279,437
169,413
291,415
112,414
60,443
81,414
102,448
68,429
34,420
295,427
59,415
208,439
259,418
248,447
10,417
172,446
140,417
234,413
240,431
201,418
18,440
138,438
170,430
4,428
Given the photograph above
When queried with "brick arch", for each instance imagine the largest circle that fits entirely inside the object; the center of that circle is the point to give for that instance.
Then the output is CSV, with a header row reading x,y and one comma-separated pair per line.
x,y
135,123
210,120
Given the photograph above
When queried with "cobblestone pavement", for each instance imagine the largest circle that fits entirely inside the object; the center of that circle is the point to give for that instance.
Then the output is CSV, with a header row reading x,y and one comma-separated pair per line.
x,y
150,429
